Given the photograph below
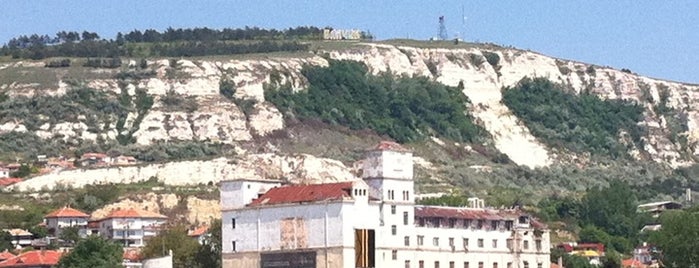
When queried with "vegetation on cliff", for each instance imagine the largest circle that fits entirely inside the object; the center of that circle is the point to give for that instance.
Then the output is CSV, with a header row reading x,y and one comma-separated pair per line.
x,y
404,108
580,123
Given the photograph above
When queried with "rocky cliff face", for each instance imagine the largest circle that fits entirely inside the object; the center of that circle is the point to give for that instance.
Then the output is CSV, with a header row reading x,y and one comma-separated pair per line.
x,y
218,119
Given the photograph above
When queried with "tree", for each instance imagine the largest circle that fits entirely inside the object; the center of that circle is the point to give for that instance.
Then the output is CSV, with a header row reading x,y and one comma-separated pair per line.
x,y
184,248
209,254
678,239
94,251
70,234
5,241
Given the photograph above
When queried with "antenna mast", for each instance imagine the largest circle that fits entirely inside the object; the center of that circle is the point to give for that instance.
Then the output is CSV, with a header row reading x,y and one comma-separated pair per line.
x,y
442,29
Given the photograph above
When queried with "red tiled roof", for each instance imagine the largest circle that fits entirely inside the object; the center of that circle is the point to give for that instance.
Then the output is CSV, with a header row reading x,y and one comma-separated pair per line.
x,y
464,213
632,263
199,231
389,146
305,193
6,255
67,212
132,254
33,258
133,213
555,265
9,181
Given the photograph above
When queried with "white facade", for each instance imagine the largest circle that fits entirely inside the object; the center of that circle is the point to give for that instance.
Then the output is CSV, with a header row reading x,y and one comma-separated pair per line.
x,y
59,223
379,227
132,232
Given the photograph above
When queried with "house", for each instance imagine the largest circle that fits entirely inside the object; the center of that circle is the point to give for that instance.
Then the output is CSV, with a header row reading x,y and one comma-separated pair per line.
x,y
4,182
124,160
20,237
131,227
95,159
33,259
657,208
371,221
591,251
14,167
6,255
131,258
201,234
66,217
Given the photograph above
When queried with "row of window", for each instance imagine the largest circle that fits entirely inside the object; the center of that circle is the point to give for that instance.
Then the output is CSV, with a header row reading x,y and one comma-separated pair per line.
x,y
436,222
392,195
480,242
452,264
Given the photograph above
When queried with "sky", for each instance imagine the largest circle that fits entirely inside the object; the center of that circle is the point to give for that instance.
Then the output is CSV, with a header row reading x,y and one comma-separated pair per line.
x,y
659,39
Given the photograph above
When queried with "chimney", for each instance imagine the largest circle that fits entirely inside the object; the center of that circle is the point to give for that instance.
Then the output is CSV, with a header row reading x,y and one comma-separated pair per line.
x,y
560,262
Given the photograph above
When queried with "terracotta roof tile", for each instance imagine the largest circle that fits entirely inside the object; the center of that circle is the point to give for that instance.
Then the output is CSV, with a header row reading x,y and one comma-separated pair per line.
x,y
67,212
199,231
133,213
631,263
33,258
6,255
389,146
132,254
9,181
305,193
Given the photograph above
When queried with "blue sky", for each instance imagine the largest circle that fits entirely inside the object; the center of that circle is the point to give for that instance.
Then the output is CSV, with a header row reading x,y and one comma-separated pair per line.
x,y
654,38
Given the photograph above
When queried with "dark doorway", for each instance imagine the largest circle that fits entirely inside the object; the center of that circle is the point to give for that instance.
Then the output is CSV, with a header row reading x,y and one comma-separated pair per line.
x,y
364,248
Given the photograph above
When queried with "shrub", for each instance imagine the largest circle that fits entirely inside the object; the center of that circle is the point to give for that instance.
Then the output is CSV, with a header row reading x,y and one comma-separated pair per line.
x,y
58,63
492,58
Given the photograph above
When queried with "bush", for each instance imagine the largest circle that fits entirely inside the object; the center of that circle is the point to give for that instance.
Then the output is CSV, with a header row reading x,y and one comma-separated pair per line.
x,y
58,63
405,108
579,123
492,58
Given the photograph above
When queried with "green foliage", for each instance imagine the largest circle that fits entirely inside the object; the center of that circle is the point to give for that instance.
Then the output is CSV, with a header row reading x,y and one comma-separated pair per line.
x,y
227,88
5,241
209,254
184,248
58,63
103,63
492,58
445,200
406,109
70,234
580,123
94,251
612,209
173,101
678,239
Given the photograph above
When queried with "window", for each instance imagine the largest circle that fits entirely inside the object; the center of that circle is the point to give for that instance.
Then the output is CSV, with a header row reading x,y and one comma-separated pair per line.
x,y
495,265
435,241
525,244
407,264
480,264
393,209
420,240
465,242
480,243
539,265
451,241
436,264
452,265
508,225
394,230
509,243
405,218
406,240
509,265
421,264
479,224
495,243
452,223
467,224
526,264
233,223
493,225
466,264
394,254
538,244
233,245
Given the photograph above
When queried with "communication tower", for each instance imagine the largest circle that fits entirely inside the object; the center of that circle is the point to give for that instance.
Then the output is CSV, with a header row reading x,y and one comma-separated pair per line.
x,y
442,29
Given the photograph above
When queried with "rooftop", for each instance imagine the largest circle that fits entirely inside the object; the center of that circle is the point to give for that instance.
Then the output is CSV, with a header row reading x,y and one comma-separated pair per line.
x,y
473,214
67,212
18,232
6,255
33,258
9,181
199,231
389,146
133,213
305,193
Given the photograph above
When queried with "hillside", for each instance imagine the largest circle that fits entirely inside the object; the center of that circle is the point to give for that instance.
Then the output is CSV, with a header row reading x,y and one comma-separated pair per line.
x,y
215,107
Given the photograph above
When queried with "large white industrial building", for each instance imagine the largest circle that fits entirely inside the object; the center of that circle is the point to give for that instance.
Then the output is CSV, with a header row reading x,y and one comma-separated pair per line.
x,y
371,222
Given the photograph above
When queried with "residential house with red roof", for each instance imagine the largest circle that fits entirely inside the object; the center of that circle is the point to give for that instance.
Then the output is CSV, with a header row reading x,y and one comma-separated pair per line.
x,y
131,226
201,234
4,182
66,217
372,221
33,259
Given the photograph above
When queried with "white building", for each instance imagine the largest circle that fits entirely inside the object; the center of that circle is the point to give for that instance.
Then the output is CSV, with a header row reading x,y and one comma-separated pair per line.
x,y
66,217
20,237
372,222
132,227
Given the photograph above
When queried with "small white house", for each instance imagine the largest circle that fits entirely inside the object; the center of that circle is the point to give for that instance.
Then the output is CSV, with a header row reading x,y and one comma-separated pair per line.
x,y
65,217
132,227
